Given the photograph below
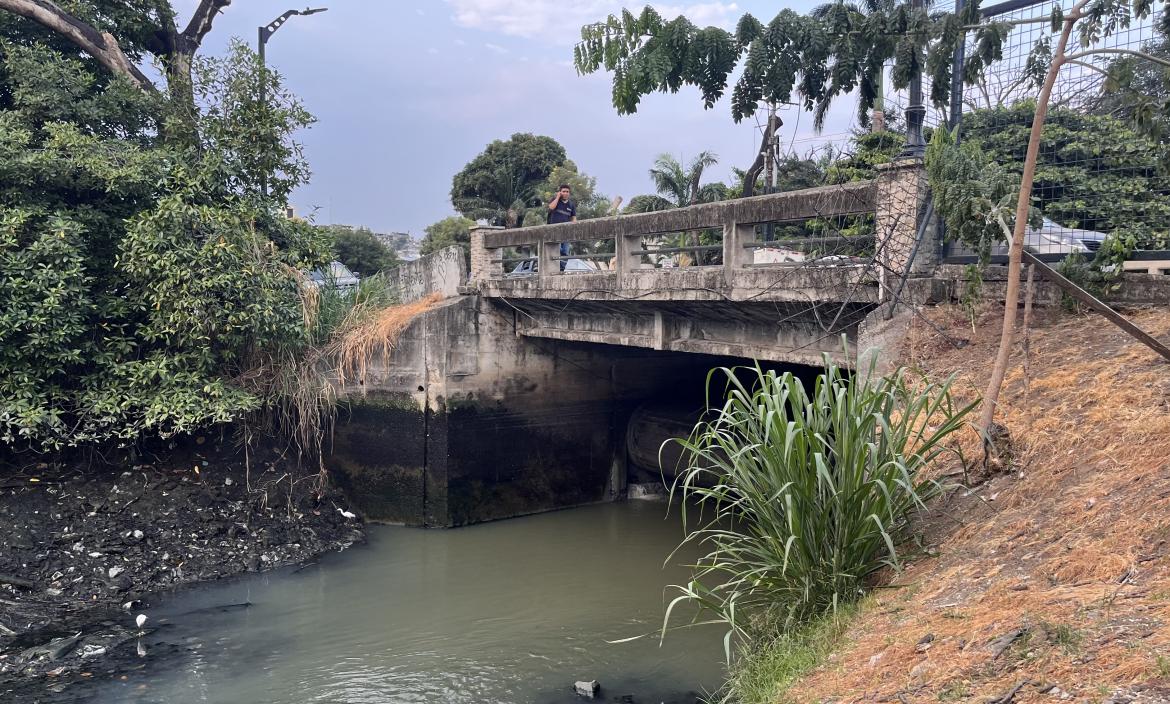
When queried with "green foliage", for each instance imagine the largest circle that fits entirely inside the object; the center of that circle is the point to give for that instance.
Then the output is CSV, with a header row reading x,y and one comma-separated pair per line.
x,y
976,199
647,203
776,661
679,186
809,60
1138,91
805,494
454,230
583,187
145,285
1094,172
500,183
361,250
974,195
870,150
245,141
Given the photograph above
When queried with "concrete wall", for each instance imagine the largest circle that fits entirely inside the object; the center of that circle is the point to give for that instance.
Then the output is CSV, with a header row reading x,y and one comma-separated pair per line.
x,y
442,272
472,422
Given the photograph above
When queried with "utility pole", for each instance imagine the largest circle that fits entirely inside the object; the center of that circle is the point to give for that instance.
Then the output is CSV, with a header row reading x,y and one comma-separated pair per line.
x,y
770,153
769,145
263,34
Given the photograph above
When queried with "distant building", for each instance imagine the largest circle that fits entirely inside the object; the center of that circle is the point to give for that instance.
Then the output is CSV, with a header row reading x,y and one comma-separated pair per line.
x,y
405,246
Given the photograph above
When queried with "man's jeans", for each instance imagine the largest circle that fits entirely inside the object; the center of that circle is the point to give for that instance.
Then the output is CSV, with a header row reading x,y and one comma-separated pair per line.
x,y
564,253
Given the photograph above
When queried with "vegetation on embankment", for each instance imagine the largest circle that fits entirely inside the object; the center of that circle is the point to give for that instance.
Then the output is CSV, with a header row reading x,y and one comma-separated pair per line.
x,y
805,495
1050,576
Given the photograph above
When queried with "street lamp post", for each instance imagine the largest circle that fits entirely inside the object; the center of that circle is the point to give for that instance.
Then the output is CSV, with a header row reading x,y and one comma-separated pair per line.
x,y
263,34
915,111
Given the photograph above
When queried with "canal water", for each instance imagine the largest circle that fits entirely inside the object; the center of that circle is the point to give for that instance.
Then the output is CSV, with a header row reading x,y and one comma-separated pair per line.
x,y
509,612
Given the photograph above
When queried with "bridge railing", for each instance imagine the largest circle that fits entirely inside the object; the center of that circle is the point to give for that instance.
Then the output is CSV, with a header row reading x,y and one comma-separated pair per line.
x,y
881,215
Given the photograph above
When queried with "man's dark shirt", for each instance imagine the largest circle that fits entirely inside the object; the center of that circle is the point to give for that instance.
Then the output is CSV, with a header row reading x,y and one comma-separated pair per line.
x,y
564,212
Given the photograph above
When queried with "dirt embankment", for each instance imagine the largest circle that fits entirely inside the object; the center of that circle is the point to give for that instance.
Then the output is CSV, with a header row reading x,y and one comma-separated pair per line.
x,y
1050,580
84,549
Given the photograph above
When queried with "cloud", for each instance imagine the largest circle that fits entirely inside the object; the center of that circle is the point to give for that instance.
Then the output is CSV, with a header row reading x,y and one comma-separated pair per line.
x,y
560,22
420,12
460,42
495,47
432,50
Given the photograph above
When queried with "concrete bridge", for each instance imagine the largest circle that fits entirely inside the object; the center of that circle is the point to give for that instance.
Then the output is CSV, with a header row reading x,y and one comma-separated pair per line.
x,y
514,394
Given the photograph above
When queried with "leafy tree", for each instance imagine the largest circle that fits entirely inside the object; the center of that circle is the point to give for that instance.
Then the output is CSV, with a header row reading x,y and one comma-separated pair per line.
x,y
500,183
146,286
118,34
455,230
809,60
974,195
1137,90
361,250
590,203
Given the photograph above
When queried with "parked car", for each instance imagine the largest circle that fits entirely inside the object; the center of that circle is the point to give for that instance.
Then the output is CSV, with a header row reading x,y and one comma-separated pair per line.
x,y
336,276
572,266
1051,238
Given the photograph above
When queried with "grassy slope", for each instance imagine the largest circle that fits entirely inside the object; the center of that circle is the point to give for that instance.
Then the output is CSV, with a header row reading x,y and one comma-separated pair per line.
x,y
1069,549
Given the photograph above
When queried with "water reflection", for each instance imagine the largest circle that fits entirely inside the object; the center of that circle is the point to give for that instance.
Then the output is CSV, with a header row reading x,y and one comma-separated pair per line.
x,y
514,611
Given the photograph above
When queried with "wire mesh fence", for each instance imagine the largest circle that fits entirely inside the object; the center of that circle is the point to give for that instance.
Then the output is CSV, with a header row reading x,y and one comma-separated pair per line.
x,y
1100,172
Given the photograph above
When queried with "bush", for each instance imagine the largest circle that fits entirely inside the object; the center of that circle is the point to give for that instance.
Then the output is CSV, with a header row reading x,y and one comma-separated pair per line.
x,y
804,497
147,287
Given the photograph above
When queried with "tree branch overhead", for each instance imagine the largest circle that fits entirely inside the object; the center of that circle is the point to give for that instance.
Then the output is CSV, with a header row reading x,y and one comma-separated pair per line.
x,y
202,20
100,45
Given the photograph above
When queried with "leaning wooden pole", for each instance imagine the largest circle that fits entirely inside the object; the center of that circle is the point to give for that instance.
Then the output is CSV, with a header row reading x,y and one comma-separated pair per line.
x,y
1023,206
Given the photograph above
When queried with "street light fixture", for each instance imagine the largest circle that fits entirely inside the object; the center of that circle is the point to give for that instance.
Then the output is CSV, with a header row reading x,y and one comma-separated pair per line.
x,y
263,34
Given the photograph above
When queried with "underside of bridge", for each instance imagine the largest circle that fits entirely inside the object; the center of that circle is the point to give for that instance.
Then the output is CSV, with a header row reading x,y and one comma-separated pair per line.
x,y
489,410
790,332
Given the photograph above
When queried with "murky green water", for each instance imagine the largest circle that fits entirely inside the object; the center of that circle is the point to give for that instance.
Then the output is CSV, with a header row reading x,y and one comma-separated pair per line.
x,y
513,612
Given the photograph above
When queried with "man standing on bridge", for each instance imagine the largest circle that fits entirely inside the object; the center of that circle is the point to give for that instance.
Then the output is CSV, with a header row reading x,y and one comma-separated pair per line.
x,y
562,209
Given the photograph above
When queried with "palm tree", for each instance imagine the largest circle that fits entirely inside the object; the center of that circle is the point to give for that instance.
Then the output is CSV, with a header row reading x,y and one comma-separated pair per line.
x,y
678,186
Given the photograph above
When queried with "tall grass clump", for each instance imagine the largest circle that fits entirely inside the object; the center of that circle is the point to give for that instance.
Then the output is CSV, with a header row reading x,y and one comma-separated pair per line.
x,y
297,380
802,495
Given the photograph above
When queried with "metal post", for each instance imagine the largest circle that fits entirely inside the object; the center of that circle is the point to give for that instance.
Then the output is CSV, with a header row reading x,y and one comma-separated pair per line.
x,y
261,40
957,62
956,115
262,35
915,113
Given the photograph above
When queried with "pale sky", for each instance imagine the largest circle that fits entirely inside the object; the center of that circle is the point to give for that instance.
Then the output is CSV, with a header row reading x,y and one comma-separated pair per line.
x,y
408,91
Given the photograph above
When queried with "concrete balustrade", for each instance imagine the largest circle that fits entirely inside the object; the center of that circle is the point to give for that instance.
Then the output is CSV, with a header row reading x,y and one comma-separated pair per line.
x,y
895,198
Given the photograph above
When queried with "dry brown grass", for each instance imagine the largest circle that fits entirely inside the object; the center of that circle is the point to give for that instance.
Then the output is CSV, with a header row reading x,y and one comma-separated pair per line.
x,y
373,338
1070,545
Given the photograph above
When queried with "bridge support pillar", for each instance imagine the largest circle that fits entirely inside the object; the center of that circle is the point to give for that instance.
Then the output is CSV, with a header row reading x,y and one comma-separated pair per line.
x,y
735,255
482,266
901,205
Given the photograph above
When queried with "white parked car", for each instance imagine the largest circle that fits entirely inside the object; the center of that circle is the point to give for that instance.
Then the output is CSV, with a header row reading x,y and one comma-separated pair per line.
x,y
1051,238
336,276
572,266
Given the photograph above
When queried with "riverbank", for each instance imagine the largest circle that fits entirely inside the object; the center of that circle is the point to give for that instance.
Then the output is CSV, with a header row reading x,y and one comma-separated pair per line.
x,y
1049,579
87,548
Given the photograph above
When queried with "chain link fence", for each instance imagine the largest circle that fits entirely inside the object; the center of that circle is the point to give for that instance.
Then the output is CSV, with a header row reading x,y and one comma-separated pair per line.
x,y
1103,166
